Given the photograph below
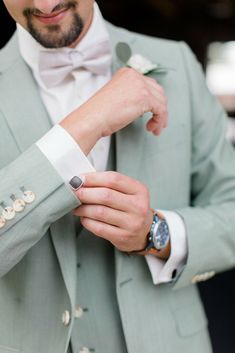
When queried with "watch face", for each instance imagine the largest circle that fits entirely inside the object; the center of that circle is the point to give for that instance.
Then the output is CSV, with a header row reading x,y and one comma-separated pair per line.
x,y
161,235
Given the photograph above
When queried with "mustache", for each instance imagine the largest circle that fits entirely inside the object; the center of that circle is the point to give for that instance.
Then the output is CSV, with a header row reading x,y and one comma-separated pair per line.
x,y
72,4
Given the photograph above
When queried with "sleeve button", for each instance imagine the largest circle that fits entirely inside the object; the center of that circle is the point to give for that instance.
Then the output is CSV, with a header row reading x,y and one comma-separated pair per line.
x,y
28,196
8,213
2,222
18,205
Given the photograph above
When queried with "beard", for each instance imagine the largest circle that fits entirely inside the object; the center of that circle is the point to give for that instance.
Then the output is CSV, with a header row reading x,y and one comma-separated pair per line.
x,y
55,36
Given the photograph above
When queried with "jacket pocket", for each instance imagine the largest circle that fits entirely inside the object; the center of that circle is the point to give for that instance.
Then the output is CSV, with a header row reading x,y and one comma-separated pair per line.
x,y
4,349
190,320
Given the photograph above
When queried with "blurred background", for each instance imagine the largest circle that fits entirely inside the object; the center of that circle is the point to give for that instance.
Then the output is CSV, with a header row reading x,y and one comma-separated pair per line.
x,y
208,26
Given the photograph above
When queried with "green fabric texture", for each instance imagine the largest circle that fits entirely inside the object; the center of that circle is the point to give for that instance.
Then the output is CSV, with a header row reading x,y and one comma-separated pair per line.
x,y
189,168
95,258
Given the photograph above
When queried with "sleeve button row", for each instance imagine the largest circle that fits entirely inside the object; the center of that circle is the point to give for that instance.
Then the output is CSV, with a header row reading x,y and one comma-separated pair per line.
x,y
18,205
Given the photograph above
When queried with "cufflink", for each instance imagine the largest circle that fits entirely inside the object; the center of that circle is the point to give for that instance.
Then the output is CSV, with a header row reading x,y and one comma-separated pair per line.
x,y
28,195
174,273
18,204
2,222
76,182
8,212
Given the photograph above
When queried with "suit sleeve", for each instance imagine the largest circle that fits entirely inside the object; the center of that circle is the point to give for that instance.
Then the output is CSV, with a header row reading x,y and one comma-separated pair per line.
x,y
54,199
210,219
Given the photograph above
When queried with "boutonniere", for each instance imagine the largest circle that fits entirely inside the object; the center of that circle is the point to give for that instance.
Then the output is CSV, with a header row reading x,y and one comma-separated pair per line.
x,y
137,61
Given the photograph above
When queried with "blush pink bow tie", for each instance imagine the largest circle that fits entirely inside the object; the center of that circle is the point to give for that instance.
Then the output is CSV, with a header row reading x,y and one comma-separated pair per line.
x,y
56,66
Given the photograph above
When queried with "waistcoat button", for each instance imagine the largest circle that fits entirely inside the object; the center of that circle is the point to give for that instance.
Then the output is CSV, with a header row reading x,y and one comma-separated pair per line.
x,y
78,312
84,350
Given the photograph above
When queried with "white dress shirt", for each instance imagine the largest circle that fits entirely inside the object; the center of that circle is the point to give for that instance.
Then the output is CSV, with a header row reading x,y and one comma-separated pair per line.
x,y
64,153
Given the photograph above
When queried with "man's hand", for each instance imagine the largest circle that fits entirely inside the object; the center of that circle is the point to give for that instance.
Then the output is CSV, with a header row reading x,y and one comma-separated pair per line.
x,y
116,208
126,97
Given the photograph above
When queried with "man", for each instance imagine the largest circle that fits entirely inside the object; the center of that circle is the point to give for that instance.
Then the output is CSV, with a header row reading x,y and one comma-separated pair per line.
x,y
86,265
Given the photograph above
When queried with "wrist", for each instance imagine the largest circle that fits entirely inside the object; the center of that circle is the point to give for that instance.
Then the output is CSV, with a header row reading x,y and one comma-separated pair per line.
x,y
83,129
164,253
158,238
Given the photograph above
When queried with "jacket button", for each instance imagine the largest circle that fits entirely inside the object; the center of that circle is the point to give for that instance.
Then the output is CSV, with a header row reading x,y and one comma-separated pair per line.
x,y
66,318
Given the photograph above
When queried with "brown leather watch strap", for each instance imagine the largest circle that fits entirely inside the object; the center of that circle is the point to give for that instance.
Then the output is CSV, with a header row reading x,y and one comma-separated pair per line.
x,y
151,251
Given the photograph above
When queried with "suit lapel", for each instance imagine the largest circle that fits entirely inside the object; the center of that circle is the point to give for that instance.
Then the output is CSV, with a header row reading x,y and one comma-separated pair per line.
x,y
131,138
116,36
129,152
64,240
29,121
24,112
132,141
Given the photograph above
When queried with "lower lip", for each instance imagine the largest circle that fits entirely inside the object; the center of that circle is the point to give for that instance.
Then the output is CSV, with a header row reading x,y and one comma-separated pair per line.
x,y
52,19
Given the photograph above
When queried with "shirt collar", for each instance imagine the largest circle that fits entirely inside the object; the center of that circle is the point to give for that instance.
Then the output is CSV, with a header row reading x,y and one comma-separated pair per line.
x,y
30,48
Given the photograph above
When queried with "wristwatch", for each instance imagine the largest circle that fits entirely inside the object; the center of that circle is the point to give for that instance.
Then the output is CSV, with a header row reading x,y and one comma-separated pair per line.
x,y
158,236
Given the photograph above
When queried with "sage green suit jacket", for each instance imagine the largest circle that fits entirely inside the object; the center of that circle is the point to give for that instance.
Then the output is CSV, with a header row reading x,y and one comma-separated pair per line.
x,y
189,169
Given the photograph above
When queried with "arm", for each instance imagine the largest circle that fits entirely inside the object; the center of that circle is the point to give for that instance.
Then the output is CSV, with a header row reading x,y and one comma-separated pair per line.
x,y
33,171
98,117
117,208
210,217
210,220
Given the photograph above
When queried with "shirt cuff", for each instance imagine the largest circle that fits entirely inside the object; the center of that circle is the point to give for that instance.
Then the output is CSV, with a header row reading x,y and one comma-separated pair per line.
x,y
167,271
64,153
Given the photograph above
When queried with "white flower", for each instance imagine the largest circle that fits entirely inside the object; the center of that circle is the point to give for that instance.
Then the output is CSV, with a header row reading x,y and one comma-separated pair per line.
x,y
141,64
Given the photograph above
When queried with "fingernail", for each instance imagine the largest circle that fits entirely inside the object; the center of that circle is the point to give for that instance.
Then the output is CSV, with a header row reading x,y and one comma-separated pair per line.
x,y
77,182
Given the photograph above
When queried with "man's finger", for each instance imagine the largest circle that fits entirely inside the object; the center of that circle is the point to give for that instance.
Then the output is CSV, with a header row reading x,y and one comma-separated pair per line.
x,y
105,214
156,90
107,197
112,180
102,230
